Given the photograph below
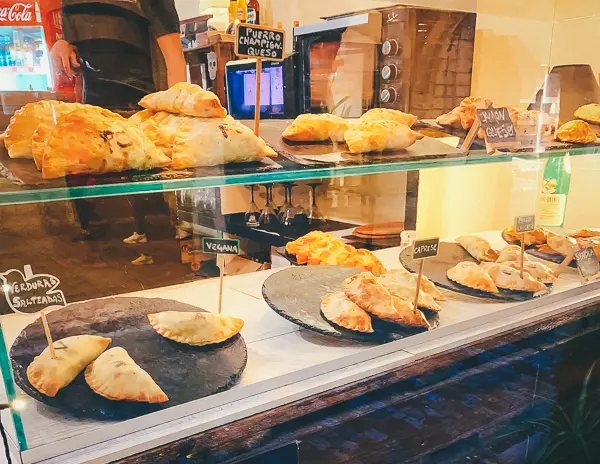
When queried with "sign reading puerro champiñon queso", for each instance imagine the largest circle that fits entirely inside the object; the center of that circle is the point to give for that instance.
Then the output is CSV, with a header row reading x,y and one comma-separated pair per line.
x,y
30,293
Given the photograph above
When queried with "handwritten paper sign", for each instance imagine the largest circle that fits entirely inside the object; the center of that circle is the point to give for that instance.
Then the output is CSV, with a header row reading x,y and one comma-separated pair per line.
x,y
30,293
497,125
221,246
588,264
426,248
254,41
524,223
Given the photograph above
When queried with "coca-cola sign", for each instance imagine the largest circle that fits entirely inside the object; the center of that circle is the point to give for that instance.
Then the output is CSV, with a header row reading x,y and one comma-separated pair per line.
x,y
19,14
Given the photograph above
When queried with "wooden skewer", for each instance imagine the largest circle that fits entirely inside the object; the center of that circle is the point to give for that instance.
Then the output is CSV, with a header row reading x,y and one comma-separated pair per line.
x,y
48,334
419,276
257,102
522,253
221,264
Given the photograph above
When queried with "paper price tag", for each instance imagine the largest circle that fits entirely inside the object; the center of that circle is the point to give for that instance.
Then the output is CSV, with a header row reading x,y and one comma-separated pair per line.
x,y
254,41
426,248
524,223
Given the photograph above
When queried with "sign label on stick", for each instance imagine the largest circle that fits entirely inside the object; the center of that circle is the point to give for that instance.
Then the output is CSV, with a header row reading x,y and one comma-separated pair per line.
x,y
497,125
223,246
588,264
262,42
524,223
426,248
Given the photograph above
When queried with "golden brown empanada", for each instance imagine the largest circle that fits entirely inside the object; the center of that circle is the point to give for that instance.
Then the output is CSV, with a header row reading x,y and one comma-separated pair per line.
x,y
535,269
162,128
406,289
49,375
471,275
316,128
562,244
426,285
576,132
511,253
185,98
141,116
537,236
479,248
378,135
364,290
337,308
210,142
509,278
388,114
114,375
195,328
589,113
585,233
97,141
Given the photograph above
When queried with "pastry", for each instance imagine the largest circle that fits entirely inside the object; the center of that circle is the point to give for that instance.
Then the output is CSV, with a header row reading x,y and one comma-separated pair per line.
x,y
114,375
210,142
585,233
162,128
337,308
365,259
451,119
471,275
196,329
465,114
562,244
141,116
389,114
407,289
49,375
185,98
576,132
478,248
589,113
316,128
510,253
88,141
509,278
364,290
537,236
535,269
377,135
426,285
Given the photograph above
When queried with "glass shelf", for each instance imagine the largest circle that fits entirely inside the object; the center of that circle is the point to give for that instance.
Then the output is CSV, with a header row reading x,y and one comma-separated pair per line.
x,y
114,185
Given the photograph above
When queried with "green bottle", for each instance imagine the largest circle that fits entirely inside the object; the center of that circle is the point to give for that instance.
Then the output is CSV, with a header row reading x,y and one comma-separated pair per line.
x,y
555,187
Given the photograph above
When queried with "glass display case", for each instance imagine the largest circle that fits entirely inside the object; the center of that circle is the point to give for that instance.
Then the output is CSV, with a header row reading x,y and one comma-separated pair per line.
x,y
182,286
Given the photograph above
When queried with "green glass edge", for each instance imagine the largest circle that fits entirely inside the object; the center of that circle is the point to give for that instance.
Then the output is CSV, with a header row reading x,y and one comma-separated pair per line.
x,y
9,385
70,193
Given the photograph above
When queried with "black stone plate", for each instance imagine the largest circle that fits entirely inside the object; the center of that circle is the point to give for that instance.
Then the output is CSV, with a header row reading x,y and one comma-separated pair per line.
x,y
185,373
533,250
450,254
295,293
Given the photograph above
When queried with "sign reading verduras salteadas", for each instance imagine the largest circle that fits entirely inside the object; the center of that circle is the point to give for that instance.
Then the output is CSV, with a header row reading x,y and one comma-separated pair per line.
x,y
31,293
254,41
426,248
223,246
497,125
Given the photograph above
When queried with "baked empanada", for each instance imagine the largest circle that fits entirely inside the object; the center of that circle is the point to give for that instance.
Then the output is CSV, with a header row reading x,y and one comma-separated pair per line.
x,y
114,375
141,116
511,253
509,278
337,308
576,132
535,269
589,113
210,142
479,248
537,236
162,128
426,285
585,233
387,114
49,375
316,128
378,135
185,98
562,244
405,289
471,275
364,290
195,328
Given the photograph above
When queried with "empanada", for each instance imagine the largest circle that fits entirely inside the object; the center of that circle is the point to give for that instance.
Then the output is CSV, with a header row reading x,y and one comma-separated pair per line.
x,y
88,141
511,253
141,116
562,244
509,278
185,98
576,132
585,233
49,375
535,269
195,328
337,308
316,128
377,135
537,236
162,128
426,285
405,289
479,248
210,142
388,114
114,375
364,290
471,275
589,113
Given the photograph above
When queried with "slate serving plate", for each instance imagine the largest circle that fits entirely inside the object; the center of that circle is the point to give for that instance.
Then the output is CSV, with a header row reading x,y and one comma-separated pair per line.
x,y
185,373
534,251
295,293
449,255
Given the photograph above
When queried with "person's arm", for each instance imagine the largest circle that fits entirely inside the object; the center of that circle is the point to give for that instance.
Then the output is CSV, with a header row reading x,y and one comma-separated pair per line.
x,y
64,57
170,46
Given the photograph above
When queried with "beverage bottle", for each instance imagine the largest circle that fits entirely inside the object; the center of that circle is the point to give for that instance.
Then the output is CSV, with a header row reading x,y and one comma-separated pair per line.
x,y
242,11
552,202
253,12
232,11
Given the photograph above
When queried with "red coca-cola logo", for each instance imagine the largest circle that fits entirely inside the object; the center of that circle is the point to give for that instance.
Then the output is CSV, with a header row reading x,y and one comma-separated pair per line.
x,y
17,13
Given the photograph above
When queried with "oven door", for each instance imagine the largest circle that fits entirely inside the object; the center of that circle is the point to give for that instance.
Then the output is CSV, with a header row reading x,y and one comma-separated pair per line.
x,y
337,65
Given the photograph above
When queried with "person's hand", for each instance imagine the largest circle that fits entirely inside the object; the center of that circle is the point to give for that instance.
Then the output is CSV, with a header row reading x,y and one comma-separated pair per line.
x,y
64,57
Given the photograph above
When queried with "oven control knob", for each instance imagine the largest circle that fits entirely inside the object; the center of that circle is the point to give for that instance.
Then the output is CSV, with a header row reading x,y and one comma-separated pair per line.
x,y
390,47
389,72
388,95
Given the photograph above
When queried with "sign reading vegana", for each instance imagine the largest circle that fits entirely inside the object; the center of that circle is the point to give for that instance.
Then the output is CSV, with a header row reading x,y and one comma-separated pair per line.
x,y
426,248
524,223
497,125
588,264
223,246
30,293
254,41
